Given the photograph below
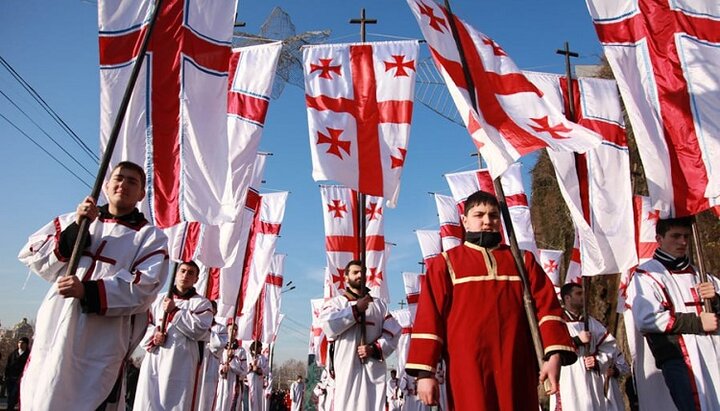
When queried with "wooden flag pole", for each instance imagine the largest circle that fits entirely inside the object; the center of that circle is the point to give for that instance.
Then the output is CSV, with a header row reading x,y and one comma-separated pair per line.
x,y
360,209
702,274
112,140
528,302
570,114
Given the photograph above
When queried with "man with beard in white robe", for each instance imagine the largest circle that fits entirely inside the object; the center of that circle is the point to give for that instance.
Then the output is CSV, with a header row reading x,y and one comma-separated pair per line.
x,y
359,366
257,369
171,366
89,323
668,310
582,384
233,369
210,371
297,393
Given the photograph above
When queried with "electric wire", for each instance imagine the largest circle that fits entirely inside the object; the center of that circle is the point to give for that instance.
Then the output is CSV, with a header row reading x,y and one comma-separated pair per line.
x,y
46,152
49,110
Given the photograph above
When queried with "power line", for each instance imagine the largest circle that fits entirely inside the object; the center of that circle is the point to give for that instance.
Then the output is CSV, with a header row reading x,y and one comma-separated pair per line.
x,y
49,110
46,133
46,152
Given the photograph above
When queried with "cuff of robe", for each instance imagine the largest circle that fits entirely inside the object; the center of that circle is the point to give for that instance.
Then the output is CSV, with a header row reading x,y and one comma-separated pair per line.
x,y
68,236
377,351
90,304
420,374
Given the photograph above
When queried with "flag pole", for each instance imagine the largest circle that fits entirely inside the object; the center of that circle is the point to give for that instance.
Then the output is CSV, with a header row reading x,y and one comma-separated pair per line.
x,y
528,302
702,274
570,114
360,209
84,223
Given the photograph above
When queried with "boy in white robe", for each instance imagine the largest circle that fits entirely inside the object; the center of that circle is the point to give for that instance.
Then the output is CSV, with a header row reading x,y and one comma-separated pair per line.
x,y
210,373
233,369
257,369
171,366
89,323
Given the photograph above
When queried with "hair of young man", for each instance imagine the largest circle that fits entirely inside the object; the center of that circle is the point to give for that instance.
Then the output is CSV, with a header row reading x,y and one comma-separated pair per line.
x,y
354,262
664,225
567,289
480,197
191,263
134,167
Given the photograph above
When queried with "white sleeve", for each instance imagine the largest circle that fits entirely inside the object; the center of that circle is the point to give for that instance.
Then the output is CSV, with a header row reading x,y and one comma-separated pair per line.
x,y
336,320
650,308
41,253
195,320
390,336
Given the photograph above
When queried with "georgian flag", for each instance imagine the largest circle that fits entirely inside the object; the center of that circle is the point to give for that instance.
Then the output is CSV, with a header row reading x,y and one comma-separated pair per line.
x,y
430,243
513,118
574,271
341,234
551,262
413,285
318,342
451,229
664,56
596,185
175,126
465,183
359,99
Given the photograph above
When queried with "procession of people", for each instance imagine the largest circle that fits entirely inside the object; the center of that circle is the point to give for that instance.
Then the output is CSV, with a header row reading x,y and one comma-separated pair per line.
x,y
165,283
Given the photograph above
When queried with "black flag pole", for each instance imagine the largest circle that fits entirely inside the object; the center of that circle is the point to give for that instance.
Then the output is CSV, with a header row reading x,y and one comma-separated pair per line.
x,y
112,140
360,209
528,302
570,114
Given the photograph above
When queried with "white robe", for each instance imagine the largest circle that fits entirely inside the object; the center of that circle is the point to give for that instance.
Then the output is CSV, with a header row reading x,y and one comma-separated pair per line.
x,y
72,348
658,296
297,392
169,373
255,382
359,386
393,394
324,391
582,389
232,382
210,373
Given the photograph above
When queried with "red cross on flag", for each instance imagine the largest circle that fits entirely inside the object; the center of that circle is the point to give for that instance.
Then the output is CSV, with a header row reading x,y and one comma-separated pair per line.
x,y
551,260
465,183
413,284
664,56
574,270
359,99
596,185
513,118
452,233
341,235
430,243
175,126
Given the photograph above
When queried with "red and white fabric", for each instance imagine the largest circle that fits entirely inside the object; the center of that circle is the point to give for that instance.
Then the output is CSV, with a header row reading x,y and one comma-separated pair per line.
x,y
318,341
266,311
664,56
376,274
512,117
574,270
430,243
451,229
341,233
596,185
175,126
551,262
258,257
465,183
360,99
404,319
413,284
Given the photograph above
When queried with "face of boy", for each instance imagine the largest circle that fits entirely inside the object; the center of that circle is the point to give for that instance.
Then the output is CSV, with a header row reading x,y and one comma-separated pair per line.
x,y
186,277
124,189
482,217
675,241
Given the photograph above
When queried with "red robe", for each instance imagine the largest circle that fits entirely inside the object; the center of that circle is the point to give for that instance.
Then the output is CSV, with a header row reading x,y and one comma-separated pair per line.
x,y
471,313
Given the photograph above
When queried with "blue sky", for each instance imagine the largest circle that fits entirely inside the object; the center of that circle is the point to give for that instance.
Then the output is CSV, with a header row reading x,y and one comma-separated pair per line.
x,y
53,45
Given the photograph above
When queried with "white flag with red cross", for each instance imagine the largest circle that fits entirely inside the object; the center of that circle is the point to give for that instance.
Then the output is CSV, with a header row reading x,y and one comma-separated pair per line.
x,y
262,241
664,56
430,243
512,117
318,342
551,262
413,285
452,233
175,126
465,183
359,99
595,185
342,233
574,270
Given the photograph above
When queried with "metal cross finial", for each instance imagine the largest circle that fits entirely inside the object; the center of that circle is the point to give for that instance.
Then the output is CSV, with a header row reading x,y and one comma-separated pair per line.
x,y
362,21
568,74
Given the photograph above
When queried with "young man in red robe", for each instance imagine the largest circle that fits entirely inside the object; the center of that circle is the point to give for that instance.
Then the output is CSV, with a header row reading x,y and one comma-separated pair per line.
x,y
471,314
